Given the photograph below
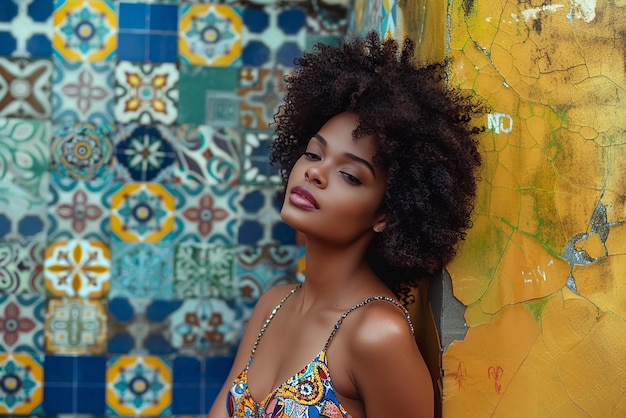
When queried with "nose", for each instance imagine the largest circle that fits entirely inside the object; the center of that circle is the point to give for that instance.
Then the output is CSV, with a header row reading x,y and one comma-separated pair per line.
x,y
315,174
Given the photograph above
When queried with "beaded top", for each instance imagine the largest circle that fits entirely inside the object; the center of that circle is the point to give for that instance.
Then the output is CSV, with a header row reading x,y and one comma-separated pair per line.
x,y
308,393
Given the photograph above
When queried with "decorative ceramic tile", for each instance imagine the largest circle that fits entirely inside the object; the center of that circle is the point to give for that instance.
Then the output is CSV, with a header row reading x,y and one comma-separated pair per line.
x,y
140,326
82,91
197,87
204,270
142,212
148,32
20,222
216,369
208,156
142,270
388,24
259,218
287,39
21,384
146,93
77,268
81,150
144,153
78,209
256,167
138,386
208,214
21,323
325,18
25,88
210,34
75,326
261,267
261,92
85,30
21,266
33,18
24,158
74,384
207,326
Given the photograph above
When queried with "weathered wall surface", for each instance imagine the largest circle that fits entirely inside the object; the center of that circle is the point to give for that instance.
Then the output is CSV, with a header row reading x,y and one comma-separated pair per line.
x,y
543,271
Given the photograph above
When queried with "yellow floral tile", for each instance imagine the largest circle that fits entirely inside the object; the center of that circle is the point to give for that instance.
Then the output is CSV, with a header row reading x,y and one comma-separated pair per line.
x,y
77,268
138,386
85,30
210,34
142,212
21,384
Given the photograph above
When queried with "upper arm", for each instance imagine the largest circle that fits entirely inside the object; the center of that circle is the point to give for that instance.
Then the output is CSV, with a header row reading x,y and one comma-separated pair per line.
x,y
389,370
266,303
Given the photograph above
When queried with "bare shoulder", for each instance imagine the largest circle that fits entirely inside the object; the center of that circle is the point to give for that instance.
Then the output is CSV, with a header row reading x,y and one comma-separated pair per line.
x,y
272,297
387,366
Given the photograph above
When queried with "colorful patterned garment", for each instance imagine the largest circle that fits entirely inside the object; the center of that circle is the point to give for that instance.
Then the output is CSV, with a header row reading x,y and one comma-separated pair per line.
x,y
308,393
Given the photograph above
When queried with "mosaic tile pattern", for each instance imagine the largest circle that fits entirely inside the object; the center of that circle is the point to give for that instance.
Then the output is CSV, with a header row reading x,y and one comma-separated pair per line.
x,y
210,34
139,222
25,88
33,17
82,91
146,93
21,379
85,30
138,386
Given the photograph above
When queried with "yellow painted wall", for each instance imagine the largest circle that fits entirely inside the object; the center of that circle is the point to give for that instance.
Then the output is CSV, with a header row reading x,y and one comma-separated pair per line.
x,y
543,271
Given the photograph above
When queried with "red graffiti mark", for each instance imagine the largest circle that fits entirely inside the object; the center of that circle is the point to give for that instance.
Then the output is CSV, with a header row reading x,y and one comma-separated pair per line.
x,y
496,373
459,376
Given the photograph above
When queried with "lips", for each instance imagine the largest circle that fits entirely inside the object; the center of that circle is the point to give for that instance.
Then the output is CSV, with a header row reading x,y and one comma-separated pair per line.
x,y
301,197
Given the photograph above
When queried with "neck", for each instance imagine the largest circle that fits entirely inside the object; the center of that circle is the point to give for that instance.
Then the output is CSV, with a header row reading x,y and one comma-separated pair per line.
x,y
337,276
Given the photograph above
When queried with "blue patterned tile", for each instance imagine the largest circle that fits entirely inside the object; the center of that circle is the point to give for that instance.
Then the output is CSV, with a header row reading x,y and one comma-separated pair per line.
x,y
23,373
82,91
148,32
216,369
140,326
256,168
260,267
207,214
142,270
78,208
74,384
259,218
144,153
85,30
207,326
21,322
288,29
261,93
33,18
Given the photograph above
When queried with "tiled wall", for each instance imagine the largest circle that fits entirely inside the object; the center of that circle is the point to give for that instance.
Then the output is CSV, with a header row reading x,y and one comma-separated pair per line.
x,y
138,215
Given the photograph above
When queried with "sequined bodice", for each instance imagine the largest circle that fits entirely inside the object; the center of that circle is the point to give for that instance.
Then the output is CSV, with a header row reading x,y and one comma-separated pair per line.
x,y
308,393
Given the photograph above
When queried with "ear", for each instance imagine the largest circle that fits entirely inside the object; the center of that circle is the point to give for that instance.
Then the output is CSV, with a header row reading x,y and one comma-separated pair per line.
x,y
381,223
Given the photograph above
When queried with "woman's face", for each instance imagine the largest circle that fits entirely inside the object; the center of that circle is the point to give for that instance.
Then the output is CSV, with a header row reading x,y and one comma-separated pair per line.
x,y
335,189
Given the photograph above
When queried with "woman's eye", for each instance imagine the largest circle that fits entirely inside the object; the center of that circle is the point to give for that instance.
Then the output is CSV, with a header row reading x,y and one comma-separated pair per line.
x,y
311,155
351,178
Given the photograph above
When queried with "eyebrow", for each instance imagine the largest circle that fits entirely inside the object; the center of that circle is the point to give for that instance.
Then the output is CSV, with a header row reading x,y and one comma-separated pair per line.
x,y
351,156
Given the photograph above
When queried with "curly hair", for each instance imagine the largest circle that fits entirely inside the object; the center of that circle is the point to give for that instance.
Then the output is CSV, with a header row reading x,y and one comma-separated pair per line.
x,y
426,144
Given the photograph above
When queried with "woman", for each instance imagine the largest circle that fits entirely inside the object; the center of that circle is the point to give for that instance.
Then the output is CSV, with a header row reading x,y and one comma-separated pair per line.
x,y
379,161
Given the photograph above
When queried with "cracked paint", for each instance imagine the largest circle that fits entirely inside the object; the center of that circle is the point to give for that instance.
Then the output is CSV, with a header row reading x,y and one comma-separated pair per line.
x,y
543,270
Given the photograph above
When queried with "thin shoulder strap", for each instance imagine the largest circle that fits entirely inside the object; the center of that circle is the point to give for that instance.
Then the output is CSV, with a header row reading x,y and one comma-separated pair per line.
x,y
269,319
360,305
